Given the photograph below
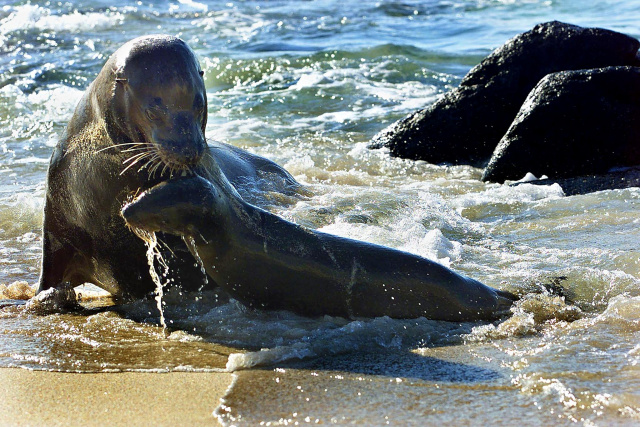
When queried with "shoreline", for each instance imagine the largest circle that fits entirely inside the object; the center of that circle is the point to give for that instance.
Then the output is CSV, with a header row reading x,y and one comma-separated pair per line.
x,y
124,398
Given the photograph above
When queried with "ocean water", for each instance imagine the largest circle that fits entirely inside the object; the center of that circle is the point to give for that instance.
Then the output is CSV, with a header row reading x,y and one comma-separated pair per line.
x,y
307,84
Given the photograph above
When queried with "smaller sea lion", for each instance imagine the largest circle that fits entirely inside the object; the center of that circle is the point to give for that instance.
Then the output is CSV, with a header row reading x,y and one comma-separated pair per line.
x,y
266,262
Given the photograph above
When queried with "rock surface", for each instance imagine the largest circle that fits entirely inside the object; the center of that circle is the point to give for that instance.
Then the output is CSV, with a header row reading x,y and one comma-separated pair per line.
x,y
466,124
573,123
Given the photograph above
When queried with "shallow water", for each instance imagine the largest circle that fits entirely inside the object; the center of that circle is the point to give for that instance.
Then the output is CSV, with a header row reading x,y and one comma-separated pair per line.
x,y
307,85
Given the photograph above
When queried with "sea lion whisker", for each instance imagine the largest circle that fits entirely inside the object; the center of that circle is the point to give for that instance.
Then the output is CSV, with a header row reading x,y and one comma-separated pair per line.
x,y
143,152
124,144
127,168
140,157
141,145
128,150
104,149
153,158
148,165
135,159
186,170
154,168
178,169
158,163
136,156
108,147
149,148
171,168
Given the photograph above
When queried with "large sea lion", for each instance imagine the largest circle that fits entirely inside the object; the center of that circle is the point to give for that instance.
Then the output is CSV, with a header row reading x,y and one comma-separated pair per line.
x,y
140,122
266,262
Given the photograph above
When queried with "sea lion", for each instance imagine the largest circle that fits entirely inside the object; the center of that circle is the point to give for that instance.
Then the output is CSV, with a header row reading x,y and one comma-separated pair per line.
x,y
266,262
140,122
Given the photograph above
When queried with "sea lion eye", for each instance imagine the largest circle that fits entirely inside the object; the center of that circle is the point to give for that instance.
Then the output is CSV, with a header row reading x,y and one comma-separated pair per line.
x,y
198,103
152,115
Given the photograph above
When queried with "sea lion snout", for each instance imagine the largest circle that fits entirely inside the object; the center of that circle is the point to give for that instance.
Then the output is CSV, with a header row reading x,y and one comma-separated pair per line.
x,y
181,142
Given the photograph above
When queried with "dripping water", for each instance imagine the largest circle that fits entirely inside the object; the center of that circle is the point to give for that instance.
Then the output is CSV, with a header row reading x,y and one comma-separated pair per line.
x,y
153,253
191,244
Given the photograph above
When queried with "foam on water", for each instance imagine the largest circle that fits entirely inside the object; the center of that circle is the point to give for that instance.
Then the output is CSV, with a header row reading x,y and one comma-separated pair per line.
x,y
189,5
19,290
236,26
622,313
55,101
53,300
505,194
20,237
33,17
531,314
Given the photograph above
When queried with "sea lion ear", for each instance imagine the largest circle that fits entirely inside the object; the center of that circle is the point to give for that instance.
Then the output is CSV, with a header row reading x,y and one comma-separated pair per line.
x,y
119,75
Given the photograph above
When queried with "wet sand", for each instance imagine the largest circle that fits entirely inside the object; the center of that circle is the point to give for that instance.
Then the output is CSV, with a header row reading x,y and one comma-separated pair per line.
x,y
116,399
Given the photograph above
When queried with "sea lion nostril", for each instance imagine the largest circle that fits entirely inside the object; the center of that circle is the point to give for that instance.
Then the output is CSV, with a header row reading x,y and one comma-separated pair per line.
x,y
182,142
180,152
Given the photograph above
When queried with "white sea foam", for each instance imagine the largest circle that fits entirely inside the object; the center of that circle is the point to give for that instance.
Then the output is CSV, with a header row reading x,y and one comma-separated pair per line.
x,y
506,194
310,80
406,235
532,314
30,160
367,233
235,129
12,92
33,17
622,311
529,177
23,209
19,290
434,245
189,5
39,115
231,24
57,100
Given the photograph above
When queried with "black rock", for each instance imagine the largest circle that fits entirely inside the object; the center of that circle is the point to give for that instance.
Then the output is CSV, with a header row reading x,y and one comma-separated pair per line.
x,y
573,123
465,125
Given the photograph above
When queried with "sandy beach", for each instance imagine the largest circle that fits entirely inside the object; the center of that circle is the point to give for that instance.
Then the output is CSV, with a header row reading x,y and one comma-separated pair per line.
x,y
30,398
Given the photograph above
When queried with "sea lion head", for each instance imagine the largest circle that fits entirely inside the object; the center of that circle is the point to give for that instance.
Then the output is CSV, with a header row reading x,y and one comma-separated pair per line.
x,y
160,101
181,206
